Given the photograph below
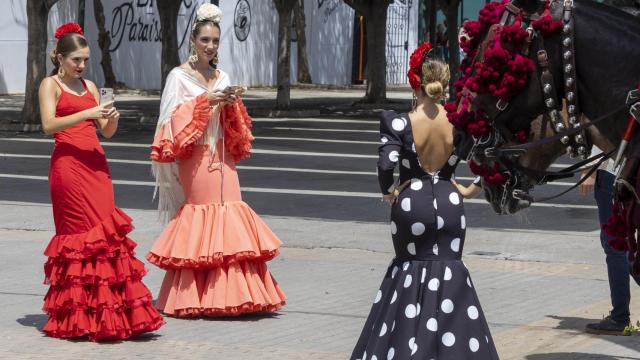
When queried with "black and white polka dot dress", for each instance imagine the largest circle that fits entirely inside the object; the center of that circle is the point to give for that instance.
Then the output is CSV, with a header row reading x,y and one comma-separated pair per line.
x,y
427,307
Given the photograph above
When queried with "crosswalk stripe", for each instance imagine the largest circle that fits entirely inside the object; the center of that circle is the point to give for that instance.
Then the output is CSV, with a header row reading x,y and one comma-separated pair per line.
x,y
302,192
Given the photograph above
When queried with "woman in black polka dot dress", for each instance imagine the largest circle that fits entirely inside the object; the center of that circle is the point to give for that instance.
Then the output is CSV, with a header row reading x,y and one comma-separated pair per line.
x,y
426,307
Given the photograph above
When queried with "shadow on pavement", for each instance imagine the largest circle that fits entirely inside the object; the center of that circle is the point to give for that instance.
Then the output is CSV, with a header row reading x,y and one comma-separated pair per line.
x,y
242,318
577,325
33,320
577,356
38,320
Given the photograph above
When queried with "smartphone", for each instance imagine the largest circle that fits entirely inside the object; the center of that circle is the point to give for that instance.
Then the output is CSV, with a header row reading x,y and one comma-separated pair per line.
x,y
106,95
236,90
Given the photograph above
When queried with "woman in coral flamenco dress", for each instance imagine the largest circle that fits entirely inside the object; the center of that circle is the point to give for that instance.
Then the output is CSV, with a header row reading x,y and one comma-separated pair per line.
x,y
214,248
94,277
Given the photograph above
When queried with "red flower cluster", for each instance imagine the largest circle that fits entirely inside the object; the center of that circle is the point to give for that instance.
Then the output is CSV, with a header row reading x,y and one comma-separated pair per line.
x,y
502,73
70,27
473,122
491,175
490,13
522,136
616,227
546,25
415,64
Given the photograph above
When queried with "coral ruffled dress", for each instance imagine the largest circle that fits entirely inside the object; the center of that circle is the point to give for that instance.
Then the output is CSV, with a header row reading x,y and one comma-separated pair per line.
x,y
216,247
95,279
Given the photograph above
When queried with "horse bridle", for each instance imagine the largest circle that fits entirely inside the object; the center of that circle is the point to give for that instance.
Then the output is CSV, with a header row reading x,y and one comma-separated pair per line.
x,y
573,134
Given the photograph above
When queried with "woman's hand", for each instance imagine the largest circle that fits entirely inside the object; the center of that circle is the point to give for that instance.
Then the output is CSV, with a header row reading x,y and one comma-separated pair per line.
x,y
588,184
231,98
389,197
100,111
112,114
217,97
468,192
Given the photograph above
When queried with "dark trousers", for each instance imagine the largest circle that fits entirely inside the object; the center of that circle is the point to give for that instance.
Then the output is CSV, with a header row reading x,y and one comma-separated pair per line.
x,y
617,261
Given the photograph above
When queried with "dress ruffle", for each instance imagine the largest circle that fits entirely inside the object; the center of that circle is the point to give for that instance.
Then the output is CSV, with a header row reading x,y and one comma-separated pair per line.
x,y
215,258
237,130
96,287
435,304
107,238
229,290
212,235
188,123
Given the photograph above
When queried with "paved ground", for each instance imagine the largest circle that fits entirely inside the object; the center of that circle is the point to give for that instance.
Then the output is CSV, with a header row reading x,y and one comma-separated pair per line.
x,y
536,302
313,179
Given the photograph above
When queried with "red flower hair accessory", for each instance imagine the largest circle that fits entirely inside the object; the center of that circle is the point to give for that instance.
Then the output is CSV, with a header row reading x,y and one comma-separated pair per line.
x,y
415,64
70,27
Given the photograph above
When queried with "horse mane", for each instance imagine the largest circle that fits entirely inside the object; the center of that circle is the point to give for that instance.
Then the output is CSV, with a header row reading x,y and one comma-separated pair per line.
x,y
607,56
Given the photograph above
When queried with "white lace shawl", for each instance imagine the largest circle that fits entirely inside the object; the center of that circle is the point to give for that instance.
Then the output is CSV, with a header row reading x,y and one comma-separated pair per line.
x,y
180,87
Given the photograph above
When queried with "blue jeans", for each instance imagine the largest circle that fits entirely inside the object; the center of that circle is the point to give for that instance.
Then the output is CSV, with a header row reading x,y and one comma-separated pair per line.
x,y
617,261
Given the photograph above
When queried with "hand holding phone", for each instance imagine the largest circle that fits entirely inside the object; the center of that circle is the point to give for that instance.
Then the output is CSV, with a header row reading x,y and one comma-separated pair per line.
x,y
106,95
234,90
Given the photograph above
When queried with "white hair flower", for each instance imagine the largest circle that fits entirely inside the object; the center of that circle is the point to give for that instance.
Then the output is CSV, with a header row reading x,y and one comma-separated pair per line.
x,y
209,12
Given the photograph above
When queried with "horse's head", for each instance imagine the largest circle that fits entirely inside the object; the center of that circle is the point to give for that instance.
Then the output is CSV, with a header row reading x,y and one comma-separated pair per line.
x,y
508,105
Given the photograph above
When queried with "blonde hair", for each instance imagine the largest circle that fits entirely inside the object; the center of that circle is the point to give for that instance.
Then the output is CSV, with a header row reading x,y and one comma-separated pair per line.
x,y
435,78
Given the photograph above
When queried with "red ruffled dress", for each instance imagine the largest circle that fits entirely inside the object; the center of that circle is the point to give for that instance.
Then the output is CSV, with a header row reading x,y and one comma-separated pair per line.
x,y
216,247
94,277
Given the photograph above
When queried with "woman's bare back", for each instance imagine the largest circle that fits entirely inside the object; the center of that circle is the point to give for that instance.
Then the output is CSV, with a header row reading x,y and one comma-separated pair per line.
x,y
433,136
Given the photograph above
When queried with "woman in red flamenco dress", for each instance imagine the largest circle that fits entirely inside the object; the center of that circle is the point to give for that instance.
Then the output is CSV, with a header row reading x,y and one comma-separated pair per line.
x,y
94,277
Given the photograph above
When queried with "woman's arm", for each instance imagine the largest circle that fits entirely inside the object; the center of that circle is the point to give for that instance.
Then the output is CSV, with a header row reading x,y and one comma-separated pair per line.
x,y
471,191
108,123
389,152
48,97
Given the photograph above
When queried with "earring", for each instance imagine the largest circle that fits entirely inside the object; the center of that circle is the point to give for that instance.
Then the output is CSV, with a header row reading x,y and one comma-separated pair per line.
x,y
193,58
215,58
414,102
60,71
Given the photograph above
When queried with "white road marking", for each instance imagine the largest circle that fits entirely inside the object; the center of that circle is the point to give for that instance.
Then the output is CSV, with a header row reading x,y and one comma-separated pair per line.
x,y
302,192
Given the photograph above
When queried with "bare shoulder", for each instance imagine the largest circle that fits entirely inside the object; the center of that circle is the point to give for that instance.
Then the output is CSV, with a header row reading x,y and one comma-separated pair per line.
x,y
47,83
91,85
92,88
442,113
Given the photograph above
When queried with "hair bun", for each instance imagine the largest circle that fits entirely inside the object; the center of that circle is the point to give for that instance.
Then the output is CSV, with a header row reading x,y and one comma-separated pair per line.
x,y
53,55
434,90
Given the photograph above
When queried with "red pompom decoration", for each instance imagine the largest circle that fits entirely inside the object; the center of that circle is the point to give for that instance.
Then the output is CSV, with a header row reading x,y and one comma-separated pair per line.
x,y
616,227
415,63
502,72
522,136
491,175
70,27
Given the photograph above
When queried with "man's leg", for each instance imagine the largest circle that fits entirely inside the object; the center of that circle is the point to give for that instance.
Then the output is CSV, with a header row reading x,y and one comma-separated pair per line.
x,y
617,264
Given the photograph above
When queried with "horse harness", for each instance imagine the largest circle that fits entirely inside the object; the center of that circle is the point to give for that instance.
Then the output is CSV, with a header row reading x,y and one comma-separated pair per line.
x,y
573,135
576,143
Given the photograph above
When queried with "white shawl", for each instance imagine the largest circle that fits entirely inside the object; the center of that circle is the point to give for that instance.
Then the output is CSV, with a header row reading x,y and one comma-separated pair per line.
x,y
181,87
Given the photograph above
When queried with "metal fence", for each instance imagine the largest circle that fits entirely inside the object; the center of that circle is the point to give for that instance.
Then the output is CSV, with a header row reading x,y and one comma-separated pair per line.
x,y
397,45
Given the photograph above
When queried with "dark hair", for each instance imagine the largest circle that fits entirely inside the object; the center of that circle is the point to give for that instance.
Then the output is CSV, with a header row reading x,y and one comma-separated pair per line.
x,y
67,44
197,26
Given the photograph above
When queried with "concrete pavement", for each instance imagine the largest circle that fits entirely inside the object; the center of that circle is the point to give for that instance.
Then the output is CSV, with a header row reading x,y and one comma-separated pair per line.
x,y
538,289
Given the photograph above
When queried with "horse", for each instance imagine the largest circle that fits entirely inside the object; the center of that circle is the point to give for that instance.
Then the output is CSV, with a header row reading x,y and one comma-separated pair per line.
x,y
604,52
